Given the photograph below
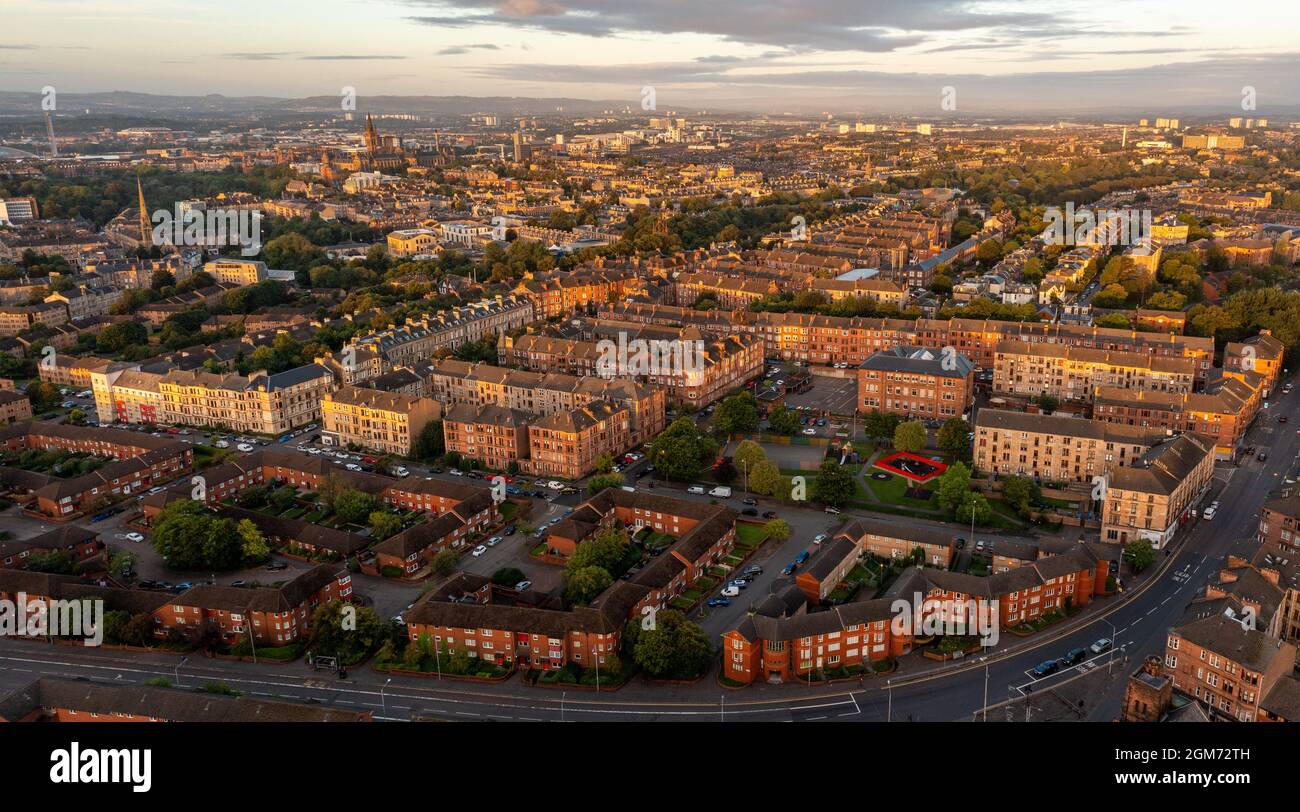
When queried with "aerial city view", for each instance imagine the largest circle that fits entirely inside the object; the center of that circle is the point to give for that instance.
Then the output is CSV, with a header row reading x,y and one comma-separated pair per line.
x,y
610,362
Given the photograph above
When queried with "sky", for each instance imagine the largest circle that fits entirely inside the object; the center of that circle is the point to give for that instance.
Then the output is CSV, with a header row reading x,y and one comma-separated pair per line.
x,y
726,54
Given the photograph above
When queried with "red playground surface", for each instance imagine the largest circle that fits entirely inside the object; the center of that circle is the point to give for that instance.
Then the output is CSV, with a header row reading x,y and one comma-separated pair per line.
x,y
911,466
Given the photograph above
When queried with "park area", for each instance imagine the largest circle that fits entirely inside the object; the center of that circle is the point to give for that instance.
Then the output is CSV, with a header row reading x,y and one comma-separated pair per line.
x,y
911,466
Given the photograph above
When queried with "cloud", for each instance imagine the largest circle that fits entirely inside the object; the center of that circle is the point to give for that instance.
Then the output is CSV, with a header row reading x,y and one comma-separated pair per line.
x,y
464,49
351,57
847,25
258,56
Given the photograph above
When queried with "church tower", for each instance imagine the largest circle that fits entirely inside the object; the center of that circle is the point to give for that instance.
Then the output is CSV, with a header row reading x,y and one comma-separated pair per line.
x,y
372,136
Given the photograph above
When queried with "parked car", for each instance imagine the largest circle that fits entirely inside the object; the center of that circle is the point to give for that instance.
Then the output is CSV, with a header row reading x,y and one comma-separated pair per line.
x,y
522,585
801,557
276,566
1262,456
1046,668
730,591
182,586
352,466
1209,513
134,537
831,509
696,489
456,472
749,512
769,514
510,530
749,500
478,551
718,602
819,538
1101,646
1075,656
789,568
752,569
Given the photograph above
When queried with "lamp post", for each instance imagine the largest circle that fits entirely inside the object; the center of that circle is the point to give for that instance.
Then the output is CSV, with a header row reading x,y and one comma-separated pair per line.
x,y
183,661
382,701
889,709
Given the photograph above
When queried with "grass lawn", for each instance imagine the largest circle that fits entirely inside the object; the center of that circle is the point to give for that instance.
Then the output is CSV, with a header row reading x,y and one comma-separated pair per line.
x,y
508,510
750,535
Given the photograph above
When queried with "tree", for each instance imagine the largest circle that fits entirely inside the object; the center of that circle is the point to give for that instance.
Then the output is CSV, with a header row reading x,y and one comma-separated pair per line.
x,y
674,648
353,506
834,484
604,463
954,484
725,472
976,504
348,631
384,524
1139,554
954,438
584,584
910,436
603,482
737,414
747,455
880,425
1048,403
444,562
777,529
1021,493
253,546
429,443
783,420
187,536
765,478
115,338
680,451
603,550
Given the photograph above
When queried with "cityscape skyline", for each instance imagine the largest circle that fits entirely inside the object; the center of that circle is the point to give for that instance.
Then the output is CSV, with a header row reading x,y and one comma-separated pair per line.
x,y
1020,58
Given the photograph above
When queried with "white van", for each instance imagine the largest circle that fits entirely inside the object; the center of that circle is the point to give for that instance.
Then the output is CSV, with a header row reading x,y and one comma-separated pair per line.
x,y
722,492
699,489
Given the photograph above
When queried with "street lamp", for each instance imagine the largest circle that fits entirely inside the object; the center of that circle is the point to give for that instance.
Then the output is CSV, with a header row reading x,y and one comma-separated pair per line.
x,y
183,661
382,701
1113,643
889,709
985,660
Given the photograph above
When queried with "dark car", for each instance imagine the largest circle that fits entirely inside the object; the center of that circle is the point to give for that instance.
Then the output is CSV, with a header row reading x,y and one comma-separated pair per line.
x,y
961,543
769,514
718,602
1075,656
1261,456
801,557
749,500
276,566
752,570
510,530
789,568
1046,668
750,512
1281,418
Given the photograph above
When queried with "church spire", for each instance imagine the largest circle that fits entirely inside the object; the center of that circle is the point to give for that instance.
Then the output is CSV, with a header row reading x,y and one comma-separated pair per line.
x,y
146,233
